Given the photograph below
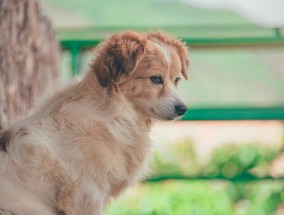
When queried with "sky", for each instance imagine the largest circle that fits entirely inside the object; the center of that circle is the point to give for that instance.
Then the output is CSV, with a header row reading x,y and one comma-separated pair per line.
x,y
267,13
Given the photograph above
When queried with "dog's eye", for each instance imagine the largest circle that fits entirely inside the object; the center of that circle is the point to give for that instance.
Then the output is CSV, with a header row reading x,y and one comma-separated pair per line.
x,y
176,81
157,79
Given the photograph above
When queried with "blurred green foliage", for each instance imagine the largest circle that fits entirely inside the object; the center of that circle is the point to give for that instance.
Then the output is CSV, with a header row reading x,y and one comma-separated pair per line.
x,y
235,191
235,161
202,198
231,161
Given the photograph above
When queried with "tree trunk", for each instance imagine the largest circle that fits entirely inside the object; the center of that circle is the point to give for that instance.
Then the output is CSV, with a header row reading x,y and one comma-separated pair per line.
x,y
29,57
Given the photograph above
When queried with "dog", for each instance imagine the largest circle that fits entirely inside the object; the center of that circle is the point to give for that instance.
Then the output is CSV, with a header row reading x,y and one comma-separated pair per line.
x,y
88,142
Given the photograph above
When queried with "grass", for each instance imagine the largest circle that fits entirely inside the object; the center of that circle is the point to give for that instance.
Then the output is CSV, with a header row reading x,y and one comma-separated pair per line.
x,y
172,198
200,198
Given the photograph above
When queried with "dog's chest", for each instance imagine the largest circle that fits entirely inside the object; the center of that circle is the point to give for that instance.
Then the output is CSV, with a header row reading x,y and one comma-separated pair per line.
x,y
112,155
129,157
120,177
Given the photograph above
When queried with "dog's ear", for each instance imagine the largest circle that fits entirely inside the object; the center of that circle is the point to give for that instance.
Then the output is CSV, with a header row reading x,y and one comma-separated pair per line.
x,y
118,57
184,61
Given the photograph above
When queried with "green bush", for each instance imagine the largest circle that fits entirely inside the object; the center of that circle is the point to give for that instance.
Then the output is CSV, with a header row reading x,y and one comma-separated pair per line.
x,y
229,161
235,161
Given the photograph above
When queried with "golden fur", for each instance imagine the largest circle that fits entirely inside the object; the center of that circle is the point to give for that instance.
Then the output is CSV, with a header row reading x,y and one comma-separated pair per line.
x,y
88,142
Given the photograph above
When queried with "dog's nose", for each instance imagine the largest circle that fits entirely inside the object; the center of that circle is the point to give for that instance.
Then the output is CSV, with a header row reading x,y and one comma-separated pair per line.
x,y
180,109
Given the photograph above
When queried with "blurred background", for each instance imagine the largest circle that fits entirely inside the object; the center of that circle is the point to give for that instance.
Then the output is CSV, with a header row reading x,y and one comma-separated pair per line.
x,y
225,157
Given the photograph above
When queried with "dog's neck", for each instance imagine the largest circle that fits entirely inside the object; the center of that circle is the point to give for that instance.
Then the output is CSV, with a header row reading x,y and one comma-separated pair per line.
x,y
111,101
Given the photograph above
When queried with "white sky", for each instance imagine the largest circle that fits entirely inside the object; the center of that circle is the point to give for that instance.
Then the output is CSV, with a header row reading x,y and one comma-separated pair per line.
x,y
268,13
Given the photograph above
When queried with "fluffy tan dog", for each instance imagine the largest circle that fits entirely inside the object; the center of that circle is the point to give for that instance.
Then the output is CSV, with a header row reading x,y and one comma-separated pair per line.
x,y
88,142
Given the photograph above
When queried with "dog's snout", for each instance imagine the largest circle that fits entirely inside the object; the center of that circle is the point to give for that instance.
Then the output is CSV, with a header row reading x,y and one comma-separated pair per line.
x,y
180,109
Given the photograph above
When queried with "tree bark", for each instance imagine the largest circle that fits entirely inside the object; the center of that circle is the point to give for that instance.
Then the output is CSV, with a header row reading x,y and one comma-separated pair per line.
x,y
29,57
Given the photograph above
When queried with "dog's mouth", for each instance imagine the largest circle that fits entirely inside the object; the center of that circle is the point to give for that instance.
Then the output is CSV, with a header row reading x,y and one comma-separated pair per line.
x,y
163,118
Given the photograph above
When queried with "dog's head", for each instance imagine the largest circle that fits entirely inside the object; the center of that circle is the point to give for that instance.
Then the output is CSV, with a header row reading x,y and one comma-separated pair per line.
x,y
146,68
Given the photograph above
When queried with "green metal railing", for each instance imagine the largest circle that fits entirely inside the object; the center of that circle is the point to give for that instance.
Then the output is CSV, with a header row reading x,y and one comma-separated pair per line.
x,y
271,38
236,113
240,178
254,37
